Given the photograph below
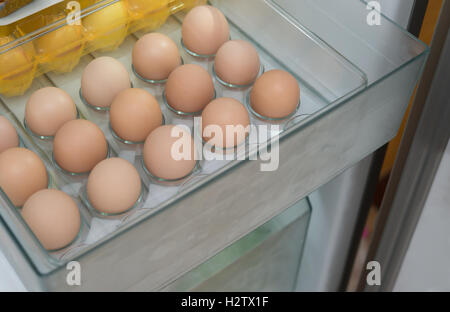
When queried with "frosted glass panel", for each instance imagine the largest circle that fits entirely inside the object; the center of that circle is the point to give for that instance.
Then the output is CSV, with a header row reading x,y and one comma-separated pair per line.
x,y
267,259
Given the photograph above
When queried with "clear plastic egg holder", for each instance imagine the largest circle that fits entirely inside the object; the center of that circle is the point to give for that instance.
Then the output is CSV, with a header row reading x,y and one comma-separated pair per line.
x,y
75,184
154,190
55,182
314,97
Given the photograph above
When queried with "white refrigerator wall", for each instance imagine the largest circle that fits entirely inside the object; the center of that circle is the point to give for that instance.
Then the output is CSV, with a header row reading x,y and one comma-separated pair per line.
x,y
425,267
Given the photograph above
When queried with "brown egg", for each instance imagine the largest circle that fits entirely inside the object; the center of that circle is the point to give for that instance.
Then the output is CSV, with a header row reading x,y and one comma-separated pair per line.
x,y
155,56
225,112
48,109
102,80
189,88
114,186
79,145
54,218
164,152
134,114
276,94
204,30
22,173
237,62
9,137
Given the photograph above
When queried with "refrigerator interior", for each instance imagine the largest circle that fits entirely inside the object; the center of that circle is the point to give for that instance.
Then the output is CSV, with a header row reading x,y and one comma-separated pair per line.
x,y
340,72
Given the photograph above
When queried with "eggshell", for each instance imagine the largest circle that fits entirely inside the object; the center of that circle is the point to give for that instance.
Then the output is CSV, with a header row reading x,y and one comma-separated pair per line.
x,y
189,88
102,80
159,158
22,173
106,21
60,41
225,112
204,30
48,109
237,62
79,145
134,114
8,135
276,94
54,218
17,61
114,186
155,56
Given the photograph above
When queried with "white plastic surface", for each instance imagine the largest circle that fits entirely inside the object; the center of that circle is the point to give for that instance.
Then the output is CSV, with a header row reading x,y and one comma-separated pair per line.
x,y
9,281
425,267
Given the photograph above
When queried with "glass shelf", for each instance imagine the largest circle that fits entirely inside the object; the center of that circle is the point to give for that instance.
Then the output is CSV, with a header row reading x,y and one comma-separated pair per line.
x,y
267,259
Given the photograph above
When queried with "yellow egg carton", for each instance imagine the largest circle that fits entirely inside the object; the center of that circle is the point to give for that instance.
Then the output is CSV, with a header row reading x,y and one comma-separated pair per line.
x,y
55,38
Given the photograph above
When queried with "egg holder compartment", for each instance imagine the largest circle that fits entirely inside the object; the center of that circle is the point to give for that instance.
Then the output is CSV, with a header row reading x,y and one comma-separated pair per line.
x,y
235,86
179,117
313,99
159,83
116,148
55,45
55,182
38,136
75,184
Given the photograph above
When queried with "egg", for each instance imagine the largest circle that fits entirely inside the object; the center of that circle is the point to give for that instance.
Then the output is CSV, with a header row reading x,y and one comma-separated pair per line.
x,y
60,41
17,61
48,109
169,153
114,186
106,27
237,62
189,88
102,80
61,48
155,56
134,114
276,94
22,173
79,145
204,30
9,137
54,218
225,113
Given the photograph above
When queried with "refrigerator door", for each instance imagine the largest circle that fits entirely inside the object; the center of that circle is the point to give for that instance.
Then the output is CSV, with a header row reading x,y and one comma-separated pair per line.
x,y
356,80
425,266
425,140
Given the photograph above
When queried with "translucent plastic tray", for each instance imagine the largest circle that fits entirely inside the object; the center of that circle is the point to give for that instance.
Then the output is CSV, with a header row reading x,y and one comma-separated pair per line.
x,y
264,260
356,82
316,94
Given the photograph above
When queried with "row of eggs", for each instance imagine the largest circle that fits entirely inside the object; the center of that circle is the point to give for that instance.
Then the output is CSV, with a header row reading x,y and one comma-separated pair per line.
x,y
79,146
113,184
189,88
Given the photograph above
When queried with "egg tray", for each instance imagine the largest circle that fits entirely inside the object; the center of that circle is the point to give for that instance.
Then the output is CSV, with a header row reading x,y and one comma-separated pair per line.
x,y
45,41
98,228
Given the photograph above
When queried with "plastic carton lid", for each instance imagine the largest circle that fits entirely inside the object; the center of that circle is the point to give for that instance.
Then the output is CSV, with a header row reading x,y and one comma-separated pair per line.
x,y
29,9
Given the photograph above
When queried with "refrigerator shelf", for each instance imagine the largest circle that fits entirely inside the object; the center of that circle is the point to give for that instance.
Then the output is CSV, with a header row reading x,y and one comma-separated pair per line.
x,y
352,103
